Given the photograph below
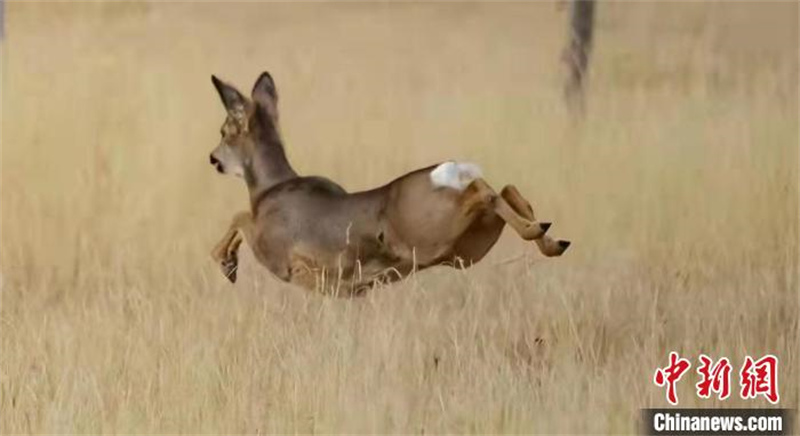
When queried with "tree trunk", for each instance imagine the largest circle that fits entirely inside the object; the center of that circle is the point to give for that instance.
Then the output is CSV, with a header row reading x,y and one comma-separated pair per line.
x,y
576,55
2,27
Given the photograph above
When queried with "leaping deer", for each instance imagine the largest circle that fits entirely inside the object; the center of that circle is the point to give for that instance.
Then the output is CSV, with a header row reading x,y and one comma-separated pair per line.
x,y
310,232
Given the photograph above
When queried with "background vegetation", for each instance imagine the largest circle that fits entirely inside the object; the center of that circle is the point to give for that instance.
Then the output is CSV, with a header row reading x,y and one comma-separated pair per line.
x,y
679,191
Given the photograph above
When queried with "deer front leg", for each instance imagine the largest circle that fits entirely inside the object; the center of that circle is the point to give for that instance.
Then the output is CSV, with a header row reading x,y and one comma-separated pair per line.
x,y
481,196
547,245
227,249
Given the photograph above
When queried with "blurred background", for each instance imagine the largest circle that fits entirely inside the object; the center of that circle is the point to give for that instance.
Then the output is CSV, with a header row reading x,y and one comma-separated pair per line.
x,y
678,189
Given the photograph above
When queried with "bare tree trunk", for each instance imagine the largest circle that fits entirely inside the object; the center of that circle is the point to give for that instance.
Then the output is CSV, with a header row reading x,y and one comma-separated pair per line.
x,y
2,22
576,55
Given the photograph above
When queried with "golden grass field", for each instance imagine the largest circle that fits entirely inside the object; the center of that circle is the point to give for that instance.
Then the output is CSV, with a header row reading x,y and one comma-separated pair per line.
x,y
679,191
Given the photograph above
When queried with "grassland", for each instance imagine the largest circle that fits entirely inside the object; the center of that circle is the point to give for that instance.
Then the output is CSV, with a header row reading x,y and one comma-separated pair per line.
x,y
679,190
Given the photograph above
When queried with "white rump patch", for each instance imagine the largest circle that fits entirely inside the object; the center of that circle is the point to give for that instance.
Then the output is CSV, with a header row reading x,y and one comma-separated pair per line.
x,y
456,175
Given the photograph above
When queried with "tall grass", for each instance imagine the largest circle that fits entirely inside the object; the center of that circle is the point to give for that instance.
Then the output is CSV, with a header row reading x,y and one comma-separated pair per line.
x,y
679,190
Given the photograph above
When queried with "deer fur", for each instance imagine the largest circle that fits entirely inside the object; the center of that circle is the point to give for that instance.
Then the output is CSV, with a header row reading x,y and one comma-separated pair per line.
x,y
309,231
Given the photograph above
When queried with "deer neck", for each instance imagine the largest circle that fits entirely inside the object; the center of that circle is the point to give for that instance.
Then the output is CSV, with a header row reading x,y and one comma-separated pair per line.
x,y
268,167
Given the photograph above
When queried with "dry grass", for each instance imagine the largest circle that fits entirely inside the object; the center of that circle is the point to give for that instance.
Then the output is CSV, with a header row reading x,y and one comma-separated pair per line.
x,y
679,190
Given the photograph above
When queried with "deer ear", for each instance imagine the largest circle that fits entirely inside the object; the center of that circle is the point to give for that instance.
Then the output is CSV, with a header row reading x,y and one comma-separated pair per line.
x,y
232,99
265,93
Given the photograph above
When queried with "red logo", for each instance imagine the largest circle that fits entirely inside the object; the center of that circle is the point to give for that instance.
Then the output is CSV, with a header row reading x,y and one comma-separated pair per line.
x,y
715,378
671,374
760,378
756,378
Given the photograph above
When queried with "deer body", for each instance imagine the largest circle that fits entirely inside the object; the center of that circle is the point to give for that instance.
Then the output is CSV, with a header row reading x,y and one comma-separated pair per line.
x,y
311,232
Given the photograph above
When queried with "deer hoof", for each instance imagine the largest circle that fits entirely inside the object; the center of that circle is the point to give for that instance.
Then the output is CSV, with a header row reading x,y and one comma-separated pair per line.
x,y
535,230
562,247
556,248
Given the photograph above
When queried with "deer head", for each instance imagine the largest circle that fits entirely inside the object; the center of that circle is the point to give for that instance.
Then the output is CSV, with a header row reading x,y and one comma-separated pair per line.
x,y
250,146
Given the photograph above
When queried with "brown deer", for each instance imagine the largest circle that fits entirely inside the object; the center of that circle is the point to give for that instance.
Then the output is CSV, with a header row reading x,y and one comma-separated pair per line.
x,y
311,232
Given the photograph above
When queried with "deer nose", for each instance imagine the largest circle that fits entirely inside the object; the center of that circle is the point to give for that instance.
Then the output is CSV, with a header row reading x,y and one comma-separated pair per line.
x,y
215,162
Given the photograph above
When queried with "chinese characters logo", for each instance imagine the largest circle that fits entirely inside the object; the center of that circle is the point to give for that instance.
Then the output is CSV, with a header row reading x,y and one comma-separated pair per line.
x,y
756,377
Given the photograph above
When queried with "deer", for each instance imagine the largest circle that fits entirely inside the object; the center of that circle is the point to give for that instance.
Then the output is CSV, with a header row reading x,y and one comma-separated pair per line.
x,y
311,232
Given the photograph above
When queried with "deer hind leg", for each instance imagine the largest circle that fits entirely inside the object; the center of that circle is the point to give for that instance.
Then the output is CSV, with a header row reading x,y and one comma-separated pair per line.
x,y
226,251
486,226
477,240
547,245
481,196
